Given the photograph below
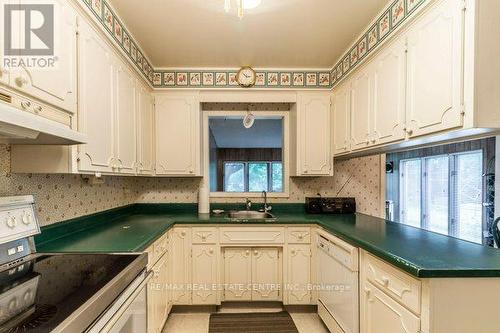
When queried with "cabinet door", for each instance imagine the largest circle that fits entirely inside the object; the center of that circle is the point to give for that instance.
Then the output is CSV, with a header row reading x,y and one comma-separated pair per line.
x,y
205,265
181,262
157,302
389,75
341,119
97,101
361,105
313,135
177,135
145,118
380,313
4,71
435,70
237,274
125,119
299,274
55,85
266,274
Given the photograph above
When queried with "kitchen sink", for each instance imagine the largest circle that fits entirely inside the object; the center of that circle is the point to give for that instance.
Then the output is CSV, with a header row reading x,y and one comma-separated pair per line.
x,y
250,215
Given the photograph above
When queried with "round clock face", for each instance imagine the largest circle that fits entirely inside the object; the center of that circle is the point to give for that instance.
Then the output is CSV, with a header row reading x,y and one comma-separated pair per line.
x,y
246,77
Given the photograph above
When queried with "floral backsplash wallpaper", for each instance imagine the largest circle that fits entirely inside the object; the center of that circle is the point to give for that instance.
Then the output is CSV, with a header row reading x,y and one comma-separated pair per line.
x,y
61,197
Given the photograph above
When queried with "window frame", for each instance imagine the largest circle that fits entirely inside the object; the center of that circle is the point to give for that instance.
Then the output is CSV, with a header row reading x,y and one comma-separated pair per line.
x,y
246,175
284,115
453,214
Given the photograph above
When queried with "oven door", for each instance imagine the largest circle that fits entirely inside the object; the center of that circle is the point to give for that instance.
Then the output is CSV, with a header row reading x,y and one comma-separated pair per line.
x,y
128,314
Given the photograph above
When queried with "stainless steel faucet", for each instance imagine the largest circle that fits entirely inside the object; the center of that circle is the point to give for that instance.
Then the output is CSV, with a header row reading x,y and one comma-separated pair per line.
x,y
266,208
248,204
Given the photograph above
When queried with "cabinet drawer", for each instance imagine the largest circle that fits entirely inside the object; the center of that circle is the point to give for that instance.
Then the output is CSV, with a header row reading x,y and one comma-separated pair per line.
x,y
205,235
395,283
160,247
252,235
299,235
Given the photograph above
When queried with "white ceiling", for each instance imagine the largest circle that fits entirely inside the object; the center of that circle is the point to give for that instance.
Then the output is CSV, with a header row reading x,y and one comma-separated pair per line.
x,y
276,34
230,133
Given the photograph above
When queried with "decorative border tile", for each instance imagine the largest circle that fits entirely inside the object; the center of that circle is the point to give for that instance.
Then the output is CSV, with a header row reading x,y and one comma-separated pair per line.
x,y
393,16
117,32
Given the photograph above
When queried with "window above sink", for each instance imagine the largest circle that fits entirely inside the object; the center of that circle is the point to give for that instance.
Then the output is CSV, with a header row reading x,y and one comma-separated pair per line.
x,y
247,150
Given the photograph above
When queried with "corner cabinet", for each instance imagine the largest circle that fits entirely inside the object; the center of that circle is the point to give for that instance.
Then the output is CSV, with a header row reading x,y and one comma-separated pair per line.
x,y
341,109
310,146
178,134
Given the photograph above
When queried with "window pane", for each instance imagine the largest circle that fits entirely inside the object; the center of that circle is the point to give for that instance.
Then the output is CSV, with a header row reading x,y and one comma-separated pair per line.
x,y
277,171
436,194
410,210
257,177
234,177
469,198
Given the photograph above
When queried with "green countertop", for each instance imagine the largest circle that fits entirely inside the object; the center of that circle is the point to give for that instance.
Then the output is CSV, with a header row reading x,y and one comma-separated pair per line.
x,y
421,253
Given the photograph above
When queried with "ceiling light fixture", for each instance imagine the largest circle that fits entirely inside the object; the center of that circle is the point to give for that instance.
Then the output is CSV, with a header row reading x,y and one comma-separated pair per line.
x,y
242,6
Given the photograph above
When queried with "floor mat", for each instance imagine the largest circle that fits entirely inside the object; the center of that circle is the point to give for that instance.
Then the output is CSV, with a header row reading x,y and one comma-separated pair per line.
x,y
278,322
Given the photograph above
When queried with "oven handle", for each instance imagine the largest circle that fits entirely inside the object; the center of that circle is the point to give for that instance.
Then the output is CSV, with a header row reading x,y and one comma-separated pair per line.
x,y
109,325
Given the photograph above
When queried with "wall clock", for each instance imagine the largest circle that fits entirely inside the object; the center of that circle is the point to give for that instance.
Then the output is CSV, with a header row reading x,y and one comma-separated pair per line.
x,y
246,76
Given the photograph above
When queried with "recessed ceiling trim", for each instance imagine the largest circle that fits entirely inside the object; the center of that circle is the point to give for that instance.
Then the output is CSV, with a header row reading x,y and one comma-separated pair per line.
x,y
391,19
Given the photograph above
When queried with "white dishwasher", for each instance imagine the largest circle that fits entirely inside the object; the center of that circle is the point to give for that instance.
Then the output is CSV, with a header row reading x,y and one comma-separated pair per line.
x,y
338,270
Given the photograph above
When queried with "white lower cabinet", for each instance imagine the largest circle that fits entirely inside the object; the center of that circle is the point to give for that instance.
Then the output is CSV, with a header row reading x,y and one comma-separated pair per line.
x,y
204,274
381,314
158,296
299,274
181,263
237,274
252,274
266,274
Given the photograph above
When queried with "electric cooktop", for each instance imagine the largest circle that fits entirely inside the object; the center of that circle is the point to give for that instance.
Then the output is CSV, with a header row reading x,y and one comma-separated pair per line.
x,y
47,292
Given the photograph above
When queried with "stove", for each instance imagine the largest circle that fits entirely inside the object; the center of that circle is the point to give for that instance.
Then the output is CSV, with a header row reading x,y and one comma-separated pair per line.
x,y
56,292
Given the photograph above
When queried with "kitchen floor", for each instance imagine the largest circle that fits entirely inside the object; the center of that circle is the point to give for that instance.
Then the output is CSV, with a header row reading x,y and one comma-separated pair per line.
x,y
197,322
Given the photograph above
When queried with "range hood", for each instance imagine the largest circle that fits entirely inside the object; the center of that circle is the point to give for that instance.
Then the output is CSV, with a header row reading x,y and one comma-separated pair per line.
x,y
20,127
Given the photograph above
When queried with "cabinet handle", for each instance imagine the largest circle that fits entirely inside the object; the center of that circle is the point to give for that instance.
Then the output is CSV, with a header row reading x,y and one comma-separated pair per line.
x,y
38,109
25,105
11,222
211,251
247,252
301,237
255,252
385,281
305,171
367,291
183,233
293,252
203,238
21,81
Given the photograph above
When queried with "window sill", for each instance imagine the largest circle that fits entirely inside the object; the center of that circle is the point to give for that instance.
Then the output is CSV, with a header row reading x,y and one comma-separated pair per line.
x,y
248,195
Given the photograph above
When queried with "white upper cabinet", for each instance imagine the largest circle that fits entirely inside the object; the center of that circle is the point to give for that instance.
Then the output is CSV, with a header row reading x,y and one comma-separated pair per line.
x,y
96,116
126,135
57,85
145,130
313,135
435,53
388,113
361,105
177,117
341,109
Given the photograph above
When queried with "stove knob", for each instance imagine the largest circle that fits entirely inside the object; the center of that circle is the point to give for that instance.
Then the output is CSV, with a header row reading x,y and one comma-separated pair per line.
x,y
28,296
13,304
11,222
